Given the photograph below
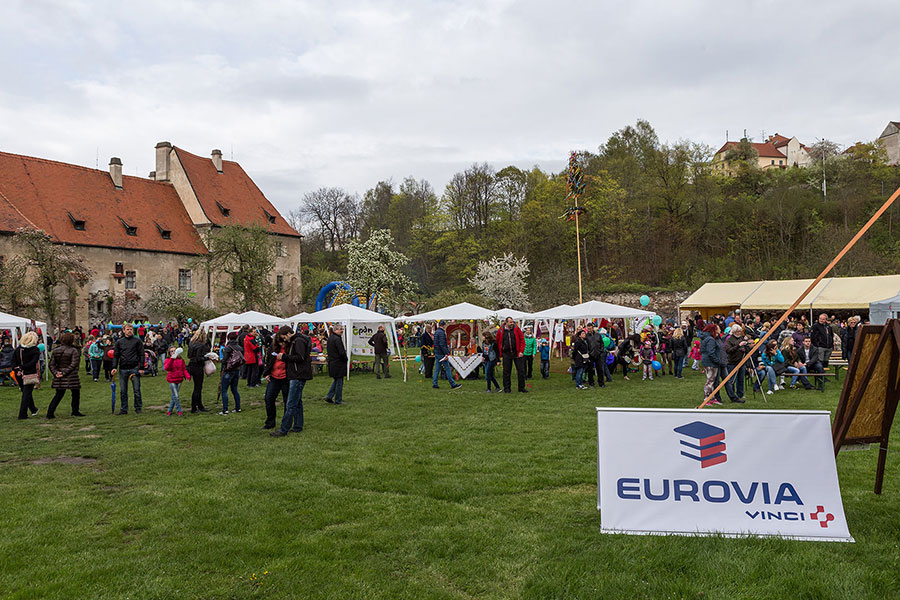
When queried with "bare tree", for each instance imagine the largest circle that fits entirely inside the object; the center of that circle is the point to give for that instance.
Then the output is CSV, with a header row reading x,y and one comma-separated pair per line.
x,y
471,197
334,213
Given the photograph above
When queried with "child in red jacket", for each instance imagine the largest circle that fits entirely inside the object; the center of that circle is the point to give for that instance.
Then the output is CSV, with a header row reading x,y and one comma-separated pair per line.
x,y
176,372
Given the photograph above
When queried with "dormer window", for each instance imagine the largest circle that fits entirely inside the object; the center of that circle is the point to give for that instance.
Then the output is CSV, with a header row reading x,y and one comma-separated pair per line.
x,y
269,216
78,224
129,229
165,233
225,211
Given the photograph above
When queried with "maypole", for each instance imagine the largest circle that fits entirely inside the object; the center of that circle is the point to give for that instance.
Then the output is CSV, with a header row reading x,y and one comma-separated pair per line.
x,y
574,189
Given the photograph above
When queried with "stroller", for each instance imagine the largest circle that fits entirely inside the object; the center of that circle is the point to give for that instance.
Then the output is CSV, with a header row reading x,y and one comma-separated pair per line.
x,y
151,367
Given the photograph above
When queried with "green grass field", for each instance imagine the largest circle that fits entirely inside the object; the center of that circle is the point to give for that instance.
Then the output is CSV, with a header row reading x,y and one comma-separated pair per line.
x,y
405,492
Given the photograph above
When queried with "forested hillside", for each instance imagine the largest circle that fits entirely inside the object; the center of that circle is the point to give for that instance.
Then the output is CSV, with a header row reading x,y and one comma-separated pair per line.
x,y
656,217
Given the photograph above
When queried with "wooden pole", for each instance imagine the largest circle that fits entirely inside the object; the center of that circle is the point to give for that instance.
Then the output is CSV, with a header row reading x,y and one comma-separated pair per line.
x,y
578,249
783,317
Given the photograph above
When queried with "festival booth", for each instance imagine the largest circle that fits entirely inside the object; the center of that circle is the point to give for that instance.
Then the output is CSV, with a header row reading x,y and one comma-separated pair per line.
x,y
830,294
463,332
234,321
359,325
719,298
634,318
18,326
881,311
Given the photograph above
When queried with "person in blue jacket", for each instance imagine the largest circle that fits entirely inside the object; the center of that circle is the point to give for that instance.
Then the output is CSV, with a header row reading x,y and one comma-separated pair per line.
x,y
441,357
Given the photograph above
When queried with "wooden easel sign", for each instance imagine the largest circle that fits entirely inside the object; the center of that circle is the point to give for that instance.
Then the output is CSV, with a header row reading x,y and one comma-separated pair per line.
x,y
871,392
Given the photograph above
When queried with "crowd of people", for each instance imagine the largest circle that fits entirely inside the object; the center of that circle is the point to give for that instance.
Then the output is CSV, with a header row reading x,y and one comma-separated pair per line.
x,y
797,349
286,359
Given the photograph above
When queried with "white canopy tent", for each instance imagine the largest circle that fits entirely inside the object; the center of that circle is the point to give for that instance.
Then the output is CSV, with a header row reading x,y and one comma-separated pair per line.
x,y
234,321
18,326
463,311
348,315
517,315
595,309
881,311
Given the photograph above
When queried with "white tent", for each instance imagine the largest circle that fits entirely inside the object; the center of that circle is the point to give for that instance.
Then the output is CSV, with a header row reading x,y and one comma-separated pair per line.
x,y
594,309
552,313
881,311
18,326
517,315
348,315
222,321
294,320
458,312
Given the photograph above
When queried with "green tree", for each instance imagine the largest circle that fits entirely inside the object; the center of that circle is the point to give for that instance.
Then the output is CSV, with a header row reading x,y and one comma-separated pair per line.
x,y
14,293
166,302
246,254
52,266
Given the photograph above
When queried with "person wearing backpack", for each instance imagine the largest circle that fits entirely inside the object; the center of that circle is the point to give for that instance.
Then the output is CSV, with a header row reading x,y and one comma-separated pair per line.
x,y
232,361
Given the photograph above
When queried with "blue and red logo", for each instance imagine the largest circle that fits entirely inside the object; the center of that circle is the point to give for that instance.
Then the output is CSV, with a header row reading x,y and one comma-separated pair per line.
x,y
706,444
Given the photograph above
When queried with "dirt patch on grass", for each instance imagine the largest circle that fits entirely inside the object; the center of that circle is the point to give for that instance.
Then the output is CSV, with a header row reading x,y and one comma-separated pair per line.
x,y
66,460
88,428
159,407
91,436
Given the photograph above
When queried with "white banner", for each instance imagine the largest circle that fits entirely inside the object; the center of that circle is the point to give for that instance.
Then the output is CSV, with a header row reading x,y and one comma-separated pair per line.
x,y
465,364
732,473
359,338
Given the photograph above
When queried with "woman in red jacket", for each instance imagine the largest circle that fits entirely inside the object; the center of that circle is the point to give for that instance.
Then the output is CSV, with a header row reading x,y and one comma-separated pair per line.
x,y
251,358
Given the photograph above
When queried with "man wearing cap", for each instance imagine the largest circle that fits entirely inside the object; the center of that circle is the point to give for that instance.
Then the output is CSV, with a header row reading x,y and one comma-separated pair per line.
x,y
441,357
512,349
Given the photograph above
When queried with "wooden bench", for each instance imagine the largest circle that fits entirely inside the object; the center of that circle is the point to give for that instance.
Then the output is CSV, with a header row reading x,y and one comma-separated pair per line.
x,y
838,364
823,376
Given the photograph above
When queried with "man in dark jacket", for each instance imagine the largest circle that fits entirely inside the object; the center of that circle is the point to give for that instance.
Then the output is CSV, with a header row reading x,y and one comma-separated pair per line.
x,y
337,365
511,342
128,361
736,347
822,337
595,351
379,342
298,370
811,357
441,358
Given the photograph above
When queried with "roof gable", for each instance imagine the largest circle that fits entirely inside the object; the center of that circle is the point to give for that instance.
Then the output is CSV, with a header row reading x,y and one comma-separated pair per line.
x,y
892,128
230,197
52,195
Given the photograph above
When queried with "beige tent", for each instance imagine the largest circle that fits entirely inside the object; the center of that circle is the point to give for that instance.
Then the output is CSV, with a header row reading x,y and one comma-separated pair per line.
x,y
832,293
713,298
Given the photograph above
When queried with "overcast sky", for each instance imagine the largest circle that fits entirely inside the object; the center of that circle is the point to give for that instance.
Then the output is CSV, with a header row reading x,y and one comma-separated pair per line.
x,y
312,94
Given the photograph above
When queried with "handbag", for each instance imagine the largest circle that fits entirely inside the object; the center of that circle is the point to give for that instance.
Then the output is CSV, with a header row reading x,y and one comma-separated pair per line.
x,y
31,379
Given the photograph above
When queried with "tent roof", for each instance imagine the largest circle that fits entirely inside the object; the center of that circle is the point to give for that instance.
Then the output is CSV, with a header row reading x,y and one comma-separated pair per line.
x,y
458,312
347,313
9,321
887,303
856,292
511,312
829,294
779,295
725,295
595,308
251,317
552,313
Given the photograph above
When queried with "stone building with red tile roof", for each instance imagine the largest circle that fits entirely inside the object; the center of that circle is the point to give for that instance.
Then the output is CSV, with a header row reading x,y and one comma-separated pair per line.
x,y
135,232
777,152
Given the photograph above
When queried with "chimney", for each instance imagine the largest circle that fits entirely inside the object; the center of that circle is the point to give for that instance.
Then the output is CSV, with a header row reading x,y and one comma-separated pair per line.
x,y
163,149
217,159
115,171
152,175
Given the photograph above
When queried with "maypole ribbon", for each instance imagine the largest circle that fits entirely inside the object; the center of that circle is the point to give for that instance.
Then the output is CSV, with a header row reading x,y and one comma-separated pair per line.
x,y
783,317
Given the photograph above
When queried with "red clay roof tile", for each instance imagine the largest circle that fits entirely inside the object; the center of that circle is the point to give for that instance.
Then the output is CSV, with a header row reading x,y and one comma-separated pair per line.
x,y
765,150
43,193
234,191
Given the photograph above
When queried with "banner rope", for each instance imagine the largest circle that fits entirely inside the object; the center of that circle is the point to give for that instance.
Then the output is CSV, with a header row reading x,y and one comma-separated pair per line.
x,y
812,286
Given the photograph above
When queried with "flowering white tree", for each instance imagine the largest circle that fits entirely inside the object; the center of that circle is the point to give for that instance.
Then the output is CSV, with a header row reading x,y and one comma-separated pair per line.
x,y
374,267
503,279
